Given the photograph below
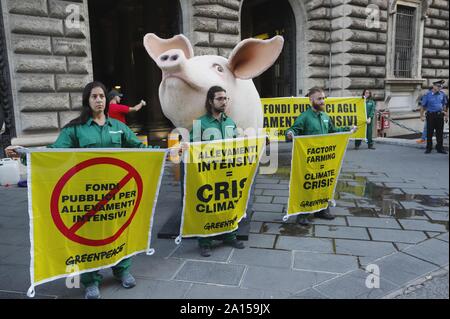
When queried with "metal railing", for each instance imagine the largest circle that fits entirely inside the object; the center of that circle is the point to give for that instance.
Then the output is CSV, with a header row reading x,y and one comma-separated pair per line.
x,y
446,133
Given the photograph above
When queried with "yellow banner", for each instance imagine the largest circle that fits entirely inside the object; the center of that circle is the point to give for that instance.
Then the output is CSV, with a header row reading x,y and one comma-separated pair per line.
x,y
316,164
90,209
280,114
218,178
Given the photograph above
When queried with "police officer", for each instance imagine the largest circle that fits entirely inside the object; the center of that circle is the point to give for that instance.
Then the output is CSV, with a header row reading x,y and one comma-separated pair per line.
x,y
434,102
315,121
215,125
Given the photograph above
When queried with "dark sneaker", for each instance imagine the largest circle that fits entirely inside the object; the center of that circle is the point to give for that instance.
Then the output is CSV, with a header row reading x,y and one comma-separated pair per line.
x,y
205,251
128,281
442,151
303,220
92,292
324,214
234,243
371,147
427,151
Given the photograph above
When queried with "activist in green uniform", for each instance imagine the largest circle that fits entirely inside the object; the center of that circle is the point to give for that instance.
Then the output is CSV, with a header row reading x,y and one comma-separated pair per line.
x,y
314,121
212,128
215,125
113,134
370,113
93,129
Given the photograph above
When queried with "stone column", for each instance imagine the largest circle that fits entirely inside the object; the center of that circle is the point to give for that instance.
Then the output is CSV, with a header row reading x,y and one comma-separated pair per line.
x,y
358,47
7,125
435,56
317,46
215,26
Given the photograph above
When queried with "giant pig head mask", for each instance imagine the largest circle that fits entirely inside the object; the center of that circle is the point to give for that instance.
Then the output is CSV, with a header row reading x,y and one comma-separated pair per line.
x,y
186,79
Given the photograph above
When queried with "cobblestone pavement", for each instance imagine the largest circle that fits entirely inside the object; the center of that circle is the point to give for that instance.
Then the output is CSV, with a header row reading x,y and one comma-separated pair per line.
x,y
392,212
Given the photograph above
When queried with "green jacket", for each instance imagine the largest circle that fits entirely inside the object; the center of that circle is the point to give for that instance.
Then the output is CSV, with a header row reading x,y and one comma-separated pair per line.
x,y
217,130
370,108
314,123
114,134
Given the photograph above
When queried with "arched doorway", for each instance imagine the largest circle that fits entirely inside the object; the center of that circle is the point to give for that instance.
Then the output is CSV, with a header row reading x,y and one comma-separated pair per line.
x,y
119,58
264,19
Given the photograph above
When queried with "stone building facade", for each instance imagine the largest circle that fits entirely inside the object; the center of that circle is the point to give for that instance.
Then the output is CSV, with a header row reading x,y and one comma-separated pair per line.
x,y
396,48
49,64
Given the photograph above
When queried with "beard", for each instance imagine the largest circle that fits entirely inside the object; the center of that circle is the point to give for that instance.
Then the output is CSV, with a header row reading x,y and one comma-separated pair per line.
x,y
220,109
318,107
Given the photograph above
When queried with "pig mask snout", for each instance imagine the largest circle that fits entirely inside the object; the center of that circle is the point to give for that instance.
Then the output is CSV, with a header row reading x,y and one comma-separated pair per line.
x,y
171,61
166,57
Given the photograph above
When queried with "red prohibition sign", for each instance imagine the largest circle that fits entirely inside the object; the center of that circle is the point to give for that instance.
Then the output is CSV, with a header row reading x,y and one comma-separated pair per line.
x,y
71,232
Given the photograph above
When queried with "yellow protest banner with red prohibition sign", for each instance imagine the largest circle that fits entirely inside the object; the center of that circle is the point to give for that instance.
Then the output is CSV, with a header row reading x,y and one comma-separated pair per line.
x,y
316,164
89,209
217,183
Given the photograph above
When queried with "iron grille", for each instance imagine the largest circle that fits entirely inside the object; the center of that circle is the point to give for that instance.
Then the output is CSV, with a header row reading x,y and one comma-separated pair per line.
x,y
404,41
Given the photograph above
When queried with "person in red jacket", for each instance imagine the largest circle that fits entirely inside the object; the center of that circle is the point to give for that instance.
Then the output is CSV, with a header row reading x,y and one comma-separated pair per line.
x,y
119,111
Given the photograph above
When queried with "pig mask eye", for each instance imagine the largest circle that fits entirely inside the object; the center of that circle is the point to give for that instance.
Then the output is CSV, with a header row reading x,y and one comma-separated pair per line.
x,y
218,67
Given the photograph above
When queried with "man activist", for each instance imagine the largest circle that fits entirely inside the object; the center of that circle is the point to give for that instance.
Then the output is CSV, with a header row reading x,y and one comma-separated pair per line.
x,y
119,111
314,121
215,125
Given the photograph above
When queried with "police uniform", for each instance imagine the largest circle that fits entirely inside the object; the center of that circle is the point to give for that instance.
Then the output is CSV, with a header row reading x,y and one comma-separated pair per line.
x,y
435,105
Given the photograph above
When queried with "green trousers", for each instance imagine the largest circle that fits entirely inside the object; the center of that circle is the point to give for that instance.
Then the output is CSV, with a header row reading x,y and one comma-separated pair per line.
x,y
207,241
368,134
93,277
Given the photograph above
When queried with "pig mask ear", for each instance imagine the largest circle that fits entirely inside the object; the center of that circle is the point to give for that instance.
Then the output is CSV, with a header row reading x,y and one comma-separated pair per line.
x,y
156,46
251,57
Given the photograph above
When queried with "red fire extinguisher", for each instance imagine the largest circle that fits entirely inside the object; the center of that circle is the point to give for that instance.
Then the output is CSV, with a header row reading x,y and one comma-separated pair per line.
x,y
383,122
